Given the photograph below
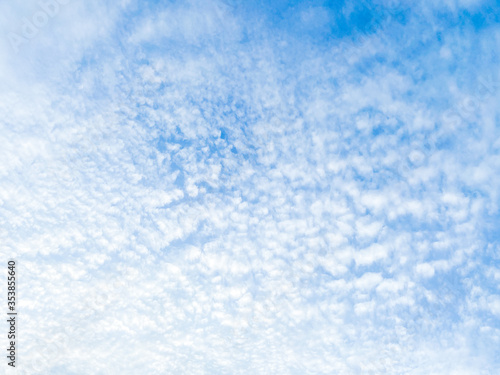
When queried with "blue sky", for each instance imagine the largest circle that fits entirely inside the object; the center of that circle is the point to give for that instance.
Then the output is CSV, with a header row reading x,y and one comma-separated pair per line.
x,y
266,187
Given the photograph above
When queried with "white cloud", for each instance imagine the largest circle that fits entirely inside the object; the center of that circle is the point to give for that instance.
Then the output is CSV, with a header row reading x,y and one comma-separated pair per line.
x,y
186,181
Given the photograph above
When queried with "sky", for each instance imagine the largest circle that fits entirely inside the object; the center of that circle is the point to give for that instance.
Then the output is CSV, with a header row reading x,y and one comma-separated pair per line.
x,y
252,187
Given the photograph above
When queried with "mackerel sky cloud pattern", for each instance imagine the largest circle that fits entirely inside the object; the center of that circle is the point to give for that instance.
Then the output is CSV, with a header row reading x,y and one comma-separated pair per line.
x,y
252,187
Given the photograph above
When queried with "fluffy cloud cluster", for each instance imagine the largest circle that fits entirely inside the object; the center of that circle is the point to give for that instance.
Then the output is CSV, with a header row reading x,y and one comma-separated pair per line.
x,y
220,188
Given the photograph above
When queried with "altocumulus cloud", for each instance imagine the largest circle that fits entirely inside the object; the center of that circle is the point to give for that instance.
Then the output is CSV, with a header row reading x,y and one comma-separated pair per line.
x,y
227,187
